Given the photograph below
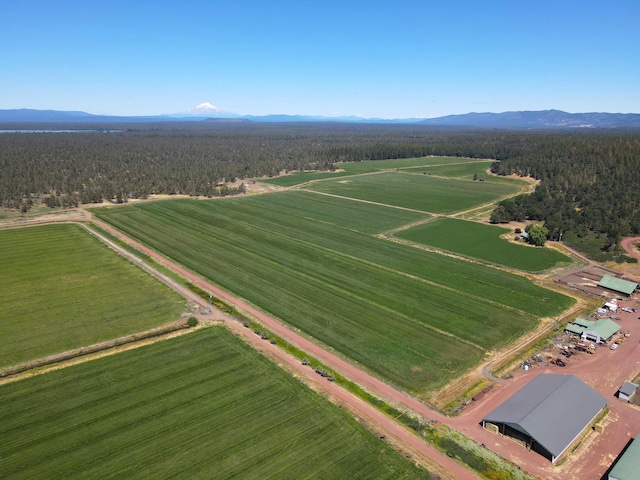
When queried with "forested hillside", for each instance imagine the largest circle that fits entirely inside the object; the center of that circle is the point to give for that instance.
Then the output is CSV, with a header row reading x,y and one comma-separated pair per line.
x,y
589,179
589,194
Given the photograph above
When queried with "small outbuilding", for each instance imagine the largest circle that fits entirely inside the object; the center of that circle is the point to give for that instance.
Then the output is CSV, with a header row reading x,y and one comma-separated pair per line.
x,y
618,285
548,414
627,391
628,465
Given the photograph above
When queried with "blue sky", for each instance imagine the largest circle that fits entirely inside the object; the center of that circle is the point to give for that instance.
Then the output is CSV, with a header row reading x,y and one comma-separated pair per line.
x,y
370,58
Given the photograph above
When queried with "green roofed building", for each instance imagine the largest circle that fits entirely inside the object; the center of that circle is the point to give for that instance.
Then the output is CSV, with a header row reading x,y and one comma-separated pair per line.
x,y
618,285
599,331
628,465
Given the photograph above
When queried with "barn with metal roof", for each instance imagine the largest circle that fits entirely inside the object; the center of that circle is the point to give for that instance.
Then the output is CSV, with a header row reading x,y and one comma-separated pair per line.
x,y
618,284
548,413
600,331
628,465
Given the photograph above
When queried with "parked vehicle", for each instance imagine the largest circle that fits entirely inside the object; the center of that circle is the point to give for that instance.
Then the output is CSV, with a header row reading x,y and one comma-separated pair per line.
x,y
559,362
614,346
585,348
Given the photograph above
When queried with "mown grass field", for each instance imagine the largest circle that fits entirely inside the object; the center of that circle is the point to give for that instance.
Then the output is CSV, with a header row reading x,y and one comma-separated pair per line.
x,y
60,288
363,217
483,242
419,192
457,170
200,406
368,166
415,318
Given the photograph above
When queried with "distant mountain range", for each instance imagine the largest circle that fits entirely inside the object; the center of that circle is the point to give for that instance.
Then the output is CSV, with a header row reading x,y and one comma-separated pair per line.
x,y
544,119
539,119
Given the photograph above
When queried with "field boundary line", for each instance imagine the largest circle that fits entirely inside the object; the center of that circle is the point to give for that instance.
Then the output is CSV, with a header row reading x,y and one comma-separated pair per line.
x,y
367,201
97,350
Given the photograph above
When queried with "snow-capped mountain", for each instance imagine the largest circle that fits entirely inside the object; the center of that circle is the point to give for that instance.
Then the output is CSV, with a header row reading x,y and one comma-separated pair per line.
x,y
205,110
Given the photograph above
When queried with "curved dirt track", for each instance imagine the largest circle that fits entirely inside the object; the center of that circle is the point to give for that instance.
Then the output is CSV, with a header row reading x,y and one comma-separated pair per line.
x,y
627,245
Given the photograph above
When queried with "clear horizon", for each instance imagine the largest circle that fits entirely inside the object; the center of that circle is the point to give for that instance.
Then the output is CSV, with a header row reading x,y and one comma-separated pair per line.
x,y
410,59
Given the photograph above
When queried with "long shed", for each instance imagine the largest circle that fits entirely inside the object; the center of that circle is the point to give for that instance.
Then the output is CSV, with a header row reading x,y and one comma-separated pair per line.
x,y
627,466
548,413
618,284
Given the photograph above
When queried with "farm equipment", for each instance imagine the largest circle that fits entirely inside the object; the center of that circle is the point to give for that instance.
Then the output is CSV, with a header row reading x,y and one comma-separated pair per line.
x,y
581,347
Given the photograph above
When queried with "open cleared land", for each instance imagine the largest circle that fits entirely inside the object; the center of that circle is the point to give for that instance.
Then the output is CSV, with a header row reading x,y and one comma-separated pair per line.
x,y
369,166
204,405
483,242
419,192
359,216
60,288
416,318
462,170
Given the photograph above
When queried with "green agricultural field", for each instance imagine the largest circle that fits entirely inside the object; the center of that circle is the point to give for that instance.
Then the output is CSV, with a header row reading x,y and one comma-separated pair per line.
x,y
297,178
419,192
200,406
369,166
415,318
356,168
61,288
457,170
354,215
483,242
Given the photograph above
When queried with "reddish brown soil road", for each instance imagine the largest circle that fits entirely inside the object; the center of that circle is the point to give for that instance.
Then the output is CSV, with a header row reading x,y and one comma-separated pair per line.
x,y
403,438
605,371
627,243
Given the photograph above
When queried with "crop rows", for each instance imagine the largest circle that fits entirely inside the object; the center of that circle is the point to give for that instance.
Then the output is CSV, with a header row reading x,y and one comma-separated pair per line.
x,y
419,192
354,215
199,406
376,302
358,168
457,170
61,289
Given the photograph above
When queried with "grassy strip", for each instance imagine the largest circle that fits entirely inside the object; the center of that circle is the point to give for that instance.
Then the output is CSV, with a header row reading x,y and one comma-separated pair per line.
x,y
98,347
480,459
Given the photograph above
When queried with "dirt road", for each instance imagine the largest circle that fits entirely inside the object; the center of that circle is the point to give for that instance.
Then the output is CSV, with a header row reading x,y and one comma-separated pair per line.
x,y
404,439
627,245
608,445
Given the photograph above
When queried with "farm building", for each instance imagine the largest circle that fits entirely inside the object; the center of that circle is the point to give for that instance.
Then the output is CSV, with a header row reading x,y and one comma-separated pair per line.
x,y
547,414
628,465
618,285
627,391
599,331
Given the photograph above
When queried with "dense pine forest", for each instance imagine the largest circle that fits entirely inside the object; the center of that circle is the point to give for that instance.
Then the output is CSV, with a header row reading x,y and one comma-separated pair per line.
x,y
589,180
